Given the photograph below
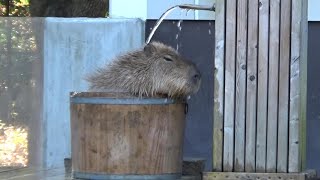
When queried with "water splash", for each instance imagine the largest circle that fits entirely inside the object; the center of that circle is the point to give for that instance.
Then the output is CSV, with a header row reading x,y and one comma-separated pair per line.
x,y
177,35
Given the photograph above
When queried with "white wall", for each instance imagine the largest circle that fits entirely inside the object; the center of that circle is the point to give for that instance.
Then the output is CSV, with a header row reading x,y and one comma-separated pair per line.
x,y
314,10
72,48
128,9
156,8
152,9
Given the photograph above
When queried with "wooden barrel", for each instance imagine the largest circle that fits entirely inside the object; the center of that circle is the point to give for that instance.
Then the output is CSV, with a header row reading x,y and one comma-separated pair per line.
x,y
116,136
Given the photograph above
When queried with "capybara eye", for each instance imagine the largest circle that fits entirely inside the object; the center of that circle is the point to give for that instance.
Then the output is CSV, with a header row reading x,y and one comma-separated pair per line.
x,y
167,58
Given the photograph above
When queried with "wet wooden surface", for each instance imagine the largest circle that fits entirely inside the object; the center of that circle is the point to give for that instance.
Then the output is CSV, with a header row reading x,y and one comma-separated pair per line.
x,y
35,174
251,176
49,174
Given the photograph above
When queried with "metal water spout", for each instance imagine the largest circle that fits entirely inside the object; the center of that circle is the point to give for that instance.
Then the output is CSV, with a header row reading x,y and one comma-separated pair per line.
x,y
197,7
181,6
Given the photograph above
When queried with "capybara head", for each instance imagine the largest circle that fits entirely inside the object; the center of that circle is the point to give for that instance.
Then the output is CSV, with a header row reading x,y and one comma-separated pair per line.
x,y
155,69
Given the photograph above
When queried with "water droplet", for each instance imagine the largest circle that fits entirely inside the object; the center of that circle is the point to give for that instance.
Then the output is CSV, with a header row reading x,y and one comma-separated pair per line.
x,y
187,10
209,31
179,23
188,97
177,48
177,35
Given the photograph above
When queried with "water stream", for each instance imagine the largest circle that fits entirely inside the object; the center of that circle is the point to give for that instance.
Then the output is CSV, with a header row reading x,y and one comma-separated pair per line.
x,y
182,6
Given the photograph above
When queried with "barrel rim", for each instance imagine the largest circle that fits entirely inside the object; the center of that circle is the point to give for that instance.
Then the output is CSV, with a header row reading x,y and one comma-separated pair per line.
x,y
120,98
121,101
103,176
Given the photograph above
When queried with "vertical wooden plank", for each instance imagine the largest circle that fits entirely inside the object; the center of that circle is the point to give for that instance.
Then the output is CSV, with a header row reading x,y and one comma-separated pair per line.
x,y
218,86
240,100
303,87
228,147
262,85
250,156
284,85
91,133
272,126
298,86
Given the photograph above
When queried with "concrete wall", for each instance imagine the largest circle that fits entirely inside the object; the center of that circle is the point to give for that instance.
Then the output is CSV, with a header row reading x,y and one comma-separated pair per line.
x,y
73,48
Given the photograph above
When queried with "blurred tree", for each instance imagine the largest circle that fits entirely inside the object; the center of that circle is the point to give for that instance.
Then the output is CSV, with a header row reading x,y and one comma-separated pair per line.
x,y
21,61
69,8
14,8
54,8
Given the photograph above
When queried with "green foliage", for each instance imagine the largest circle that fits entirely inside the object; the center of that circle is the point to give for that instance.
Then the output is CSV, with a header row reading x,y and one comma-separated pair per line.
x,y
18,8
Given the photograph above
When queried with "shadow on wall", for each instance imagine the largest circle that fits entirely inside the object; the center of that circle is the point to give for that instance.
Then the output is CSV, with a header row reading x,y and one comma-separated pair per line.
x,y
313,113
194,40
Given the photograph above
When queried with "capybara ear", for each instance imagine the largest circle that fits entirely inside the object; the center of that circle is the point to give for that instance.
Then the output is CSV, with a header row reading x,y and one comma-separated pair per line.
x,y
149,48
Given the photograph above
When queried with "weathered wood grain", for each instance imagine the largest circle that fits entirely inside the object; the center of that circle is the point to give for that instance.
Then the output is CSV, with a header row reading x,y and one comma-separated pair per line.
x,y
303,87
240,101
284,85
246,176
54,174
272,128
251,101
262,85
298,86
270,135
218,110
127,139
230,54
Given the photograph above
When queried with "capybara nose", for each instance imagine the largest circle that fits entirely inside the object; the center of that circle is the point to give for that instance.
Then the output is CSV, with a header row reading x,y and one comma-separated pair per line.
x,y
196,76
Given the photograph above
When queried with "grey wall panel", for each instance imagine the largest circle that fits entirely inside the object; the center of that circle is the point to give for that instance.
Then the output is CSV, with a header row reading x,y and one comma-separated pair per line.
x,y
313,109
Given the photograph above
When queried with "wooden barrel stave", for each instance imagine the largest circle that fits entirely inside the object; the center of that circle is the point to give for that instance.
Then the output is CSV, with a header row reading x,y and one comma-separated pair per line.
x,y
116,136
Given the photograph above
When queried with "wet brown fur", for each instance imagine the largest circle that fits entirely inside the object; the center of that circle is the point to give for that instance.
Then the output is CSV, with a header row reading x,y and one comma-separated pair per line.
x,y
149,71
